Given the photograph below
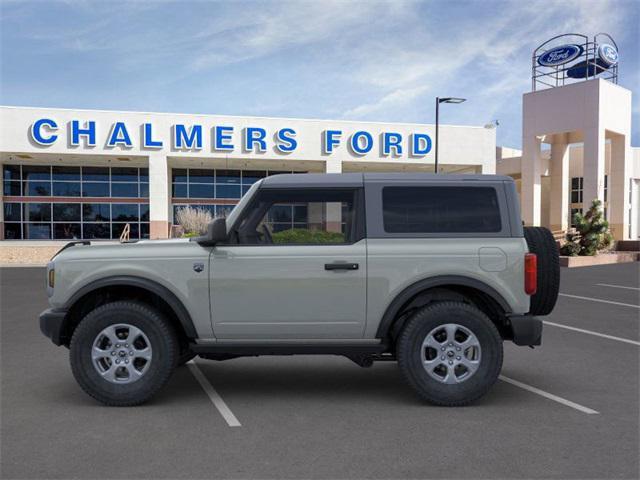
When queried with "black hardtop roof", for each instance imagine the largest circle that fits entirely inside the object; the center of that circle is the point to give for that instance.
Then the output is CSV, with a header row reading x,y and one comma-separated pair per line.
x,y
337,180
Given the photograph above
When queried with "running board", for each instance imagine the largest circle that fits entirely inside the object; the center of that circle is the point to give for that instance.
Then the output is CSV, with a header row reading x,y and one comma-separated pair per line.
x,y
248,349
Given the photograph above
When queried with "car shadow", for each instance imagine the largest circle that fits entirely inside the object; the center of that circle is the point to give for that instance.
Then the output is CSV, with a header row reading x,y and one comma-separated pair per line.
x,y
305,379
309,378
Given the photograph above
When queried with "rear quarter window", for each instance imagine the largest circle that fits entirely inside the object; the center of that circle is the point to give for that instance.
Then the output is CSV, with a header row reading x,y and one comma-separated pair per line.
x,y
446,209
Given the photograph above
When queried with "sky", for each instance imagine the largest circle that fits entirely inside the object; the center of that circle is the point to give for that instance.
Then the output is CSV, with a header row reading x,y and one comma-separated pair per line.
x,y
351,60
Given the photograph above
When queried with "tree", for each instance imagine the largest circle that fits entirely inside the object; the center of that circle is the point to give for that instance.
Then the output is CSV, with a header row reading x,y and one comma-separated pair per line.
x,y
591,235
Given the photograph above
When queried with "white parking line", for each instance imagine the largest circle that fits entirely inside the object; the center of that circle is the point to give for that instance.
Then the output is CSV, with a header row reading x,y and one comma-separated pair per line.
x,y
616,286
599,300
610,337
548,395
215,398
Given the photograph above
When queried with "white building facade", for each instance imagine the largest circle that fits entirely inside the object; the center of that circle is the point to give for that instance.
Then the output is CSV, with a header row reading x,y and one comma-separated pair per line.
x,y
576,149
85,174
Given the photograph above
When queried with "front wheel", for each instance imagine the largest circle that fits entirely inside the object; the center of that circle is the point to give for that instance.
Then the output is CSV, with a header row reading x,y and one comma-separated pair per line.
x,y
450,353
123,352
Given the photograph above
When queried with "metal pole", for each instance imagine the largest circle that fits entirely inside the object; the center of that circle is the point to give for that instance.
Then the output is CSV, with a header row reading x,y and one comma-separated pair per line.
x,y
437,125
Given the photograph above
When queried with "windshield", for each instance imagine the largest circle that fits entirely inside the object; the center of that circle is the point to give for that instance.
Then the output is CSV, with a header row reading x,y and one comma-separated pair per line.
x,y
233,216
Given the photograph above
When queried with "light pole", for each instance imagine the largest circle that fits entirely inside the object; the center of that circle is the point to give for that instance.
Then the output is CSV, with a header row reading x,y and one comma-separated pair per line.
x,y
438,102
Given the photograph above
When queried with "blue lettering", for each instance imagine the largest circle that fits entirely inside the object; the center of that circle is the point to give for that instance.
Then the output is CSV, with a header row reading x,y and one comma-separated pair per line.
x,y
391,140
421,144
253,136
286,141
186,139
89,131
221,137
147,138
36,131
329,140
119,136
356,144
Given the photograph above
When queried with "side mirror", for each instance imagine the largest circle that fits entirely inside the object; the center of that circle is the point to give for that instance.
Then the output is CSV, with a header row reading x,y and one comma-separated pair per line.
x,y
218,230
216,233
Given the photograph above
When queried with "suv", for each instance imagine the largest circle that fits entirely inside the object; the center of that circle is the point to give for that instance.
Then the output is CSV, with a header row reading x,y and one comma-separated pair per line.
x,y
433,271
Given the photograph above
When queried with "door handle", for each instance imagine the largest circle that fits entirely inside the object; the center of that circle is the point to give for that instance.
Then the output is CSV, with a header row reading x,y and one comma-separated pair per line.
x,y
341,266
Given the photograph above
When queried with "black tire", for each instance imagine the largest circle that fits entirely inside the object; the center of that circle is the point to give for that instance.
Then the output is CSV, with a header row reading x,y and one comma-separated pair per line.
x,y
541,242
157,329
411,354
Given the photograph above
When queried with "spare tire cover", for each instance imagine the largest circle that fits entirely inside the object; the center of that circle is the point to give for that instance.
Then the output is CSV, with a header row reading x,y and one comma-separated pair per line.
x,y
541,242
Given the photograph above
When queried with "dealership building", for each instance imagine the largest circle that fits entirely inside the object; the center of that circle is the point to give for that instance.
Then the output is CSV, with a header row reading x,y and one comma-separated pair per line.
x,y
87,174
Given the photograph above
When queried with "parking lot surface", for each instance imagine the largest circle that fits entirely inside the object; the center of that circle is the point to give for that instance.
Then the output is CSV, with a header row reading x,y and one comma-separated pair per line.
x,y
568,409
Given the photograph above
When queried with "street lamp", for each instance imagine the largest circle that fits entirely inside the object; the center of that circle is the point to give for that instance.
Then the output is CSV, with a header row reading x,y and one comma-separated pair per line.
x,y
438,102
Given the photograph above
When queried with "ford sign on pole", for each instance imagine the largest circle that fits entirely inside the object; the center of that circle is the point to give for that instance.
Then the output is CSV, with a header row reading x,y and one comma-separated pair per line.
x,y
560,55
608,54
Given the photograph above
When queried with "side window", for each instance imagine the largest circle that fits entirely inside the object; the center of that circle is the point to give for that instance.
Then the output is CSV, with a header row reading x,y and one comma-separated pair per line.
x,y
301,217
441,210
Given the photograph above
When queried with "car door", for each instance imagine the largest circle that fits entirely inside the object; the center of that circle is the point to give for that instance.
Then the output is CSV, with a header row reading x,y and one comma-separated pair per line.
x,y
295,268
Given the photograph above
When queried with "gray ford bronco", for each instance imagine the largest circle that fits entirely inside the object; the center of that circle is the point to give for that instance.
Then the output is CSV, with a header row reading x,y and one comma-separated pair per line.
x,y
431,271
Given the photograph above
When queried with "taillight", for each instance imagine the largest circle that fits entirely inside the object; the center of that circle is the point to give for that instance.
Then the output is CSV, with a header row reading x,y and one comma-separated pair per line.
x,y
530,273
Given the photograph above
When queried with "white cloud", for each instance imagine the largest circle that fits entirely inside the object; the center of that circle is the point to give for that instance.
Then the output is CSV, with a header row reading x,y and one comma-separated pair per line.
x,y
249,35
399,97
487,56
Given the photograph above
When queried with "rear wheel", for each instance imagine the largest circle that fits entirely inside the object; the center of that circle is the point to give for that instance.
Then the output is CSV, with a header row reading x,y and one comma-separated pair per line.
x,y
450,353
122,353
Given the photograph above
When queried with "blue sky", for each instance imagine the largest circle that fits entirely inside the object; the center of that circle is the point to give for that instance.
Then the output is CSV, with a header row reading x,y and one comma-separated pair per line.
x,y
367,60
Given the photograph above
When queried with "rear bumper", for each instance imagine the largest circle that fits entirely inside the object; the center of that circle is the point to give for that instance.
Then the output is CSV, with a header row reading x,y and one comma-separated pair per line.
x,y
52,324
527,330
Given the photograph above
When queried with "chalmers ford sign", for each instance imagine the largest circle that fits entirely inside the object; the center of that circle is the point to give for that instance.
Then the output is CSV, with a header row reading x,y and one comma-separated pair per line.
x,y
45,132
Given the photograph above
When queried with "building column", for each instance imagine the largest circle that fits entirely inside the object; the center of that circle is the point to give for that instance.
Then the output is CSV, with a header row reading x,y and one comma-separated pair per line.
x,y
593,164
333,165
559,197
159,198
486,169
531,180
618,188
334,210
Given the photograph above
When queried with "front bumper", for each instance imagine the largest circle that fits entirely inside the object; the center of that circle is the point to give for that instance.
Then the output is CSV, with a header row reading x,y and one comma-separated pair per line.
x,y
527,330
52,325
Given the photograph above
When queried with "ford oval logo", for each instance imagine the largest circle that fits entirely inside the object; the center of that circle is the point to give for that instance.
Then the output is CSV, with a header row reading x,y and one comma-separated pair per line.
x,y
608,54
560,55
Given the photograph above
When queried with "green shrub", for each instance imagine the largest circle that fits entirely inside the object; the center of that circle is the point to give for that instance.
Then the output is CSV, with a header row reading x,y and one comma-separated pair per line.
x,y
591,235
300,235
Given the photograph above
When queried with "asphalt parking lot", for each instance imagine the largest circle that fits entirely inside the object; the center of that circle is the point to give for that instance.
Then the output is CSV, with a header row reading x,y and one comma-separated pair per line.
x,y
569,409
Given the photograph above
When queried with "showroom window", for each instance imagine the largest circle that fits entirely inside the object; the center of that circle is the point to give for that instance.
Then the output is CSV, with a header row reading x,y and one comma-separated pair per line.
x,y
214,210
206,183
204,187
576,189
114,197
57,220
62,181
